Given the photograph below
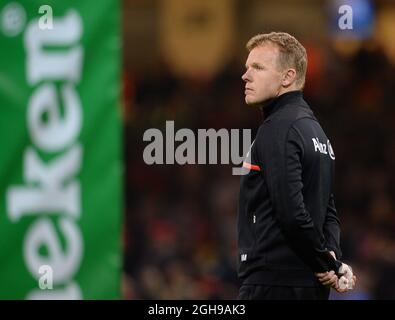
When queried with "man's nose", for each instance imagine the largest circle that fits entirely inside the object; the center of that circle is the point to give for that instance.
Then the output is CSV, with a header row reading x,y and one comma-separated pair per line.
x,y
246,76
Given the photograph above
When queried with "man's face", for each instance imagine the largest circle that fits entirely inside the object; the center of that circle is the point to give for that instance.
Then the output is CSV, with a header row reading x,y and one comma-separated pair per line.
x,y
262,77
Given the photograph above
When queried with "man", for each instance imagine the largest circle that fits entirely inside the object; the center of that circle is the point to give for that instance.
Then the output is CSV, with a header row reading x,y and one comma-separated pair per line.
x,y
288,229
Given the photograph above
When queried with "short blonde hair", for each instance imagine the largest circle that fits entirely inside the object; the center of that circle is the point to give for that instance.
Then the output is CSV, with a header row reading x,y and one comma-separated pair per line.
x,y
291,52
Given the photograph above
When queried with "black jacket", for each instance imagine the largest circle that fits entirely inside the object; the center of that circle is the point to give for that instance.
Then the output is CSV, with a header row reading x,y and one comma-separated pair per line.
x,y
287,221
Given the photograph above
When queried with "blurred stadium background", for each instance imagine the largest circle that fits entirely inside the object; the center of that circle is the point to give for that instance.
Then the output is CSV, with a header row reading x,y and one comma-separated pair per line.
x,y
183,61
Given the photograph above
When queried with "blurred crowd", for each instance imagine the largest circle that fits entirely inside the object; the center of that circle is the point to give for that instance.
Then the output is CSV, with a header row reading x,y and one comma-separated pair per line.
x,y
180,221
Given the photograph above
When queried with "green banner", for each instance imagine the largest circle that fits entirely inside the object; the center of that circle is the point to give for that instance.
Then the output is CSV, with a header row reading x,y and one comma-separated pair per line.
x,y
60,150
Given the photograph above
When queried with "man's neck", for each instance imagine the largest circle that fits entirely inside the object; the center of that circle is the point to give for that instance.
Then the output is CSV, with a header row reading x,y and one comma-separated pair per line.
x,y
288,89
280,93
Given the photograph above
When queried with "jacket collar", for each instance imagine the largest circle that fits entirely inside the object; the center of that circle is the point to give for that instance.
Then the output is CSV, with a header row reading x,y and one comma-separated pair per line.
x,y
291,97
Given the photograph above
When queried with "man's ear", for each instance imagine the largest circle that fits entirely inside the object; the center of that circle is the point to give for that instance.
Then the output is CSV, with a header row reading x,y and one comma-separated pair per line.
x,y
289,78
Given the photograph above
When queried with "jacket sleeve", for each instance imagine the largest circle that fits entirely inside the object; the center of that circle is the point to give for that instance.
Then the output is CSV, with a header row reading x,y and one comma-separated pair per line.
x,y
332,229
281,154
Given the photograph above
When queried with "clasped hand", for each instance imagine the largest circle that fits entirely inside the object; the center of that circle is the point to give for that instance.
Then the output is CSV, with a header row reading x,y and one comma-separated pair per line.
x,y
346,282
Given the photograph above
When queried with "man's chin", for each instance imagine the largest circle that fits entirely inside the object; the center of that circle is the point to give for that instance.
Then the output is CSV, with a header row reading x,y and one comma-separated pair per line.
x,y
252,103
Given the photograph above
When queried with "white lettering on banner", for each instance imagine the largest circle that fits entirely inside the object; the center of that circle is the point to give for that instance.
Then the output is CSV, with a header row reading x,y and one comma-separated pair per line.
x,y
51,194
51,187
57,132
46,65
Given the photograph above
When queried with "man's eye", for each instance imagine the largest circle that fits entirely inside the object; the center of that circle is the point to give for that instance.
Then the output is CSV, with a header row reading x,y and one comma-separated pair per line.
x,y
259,68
